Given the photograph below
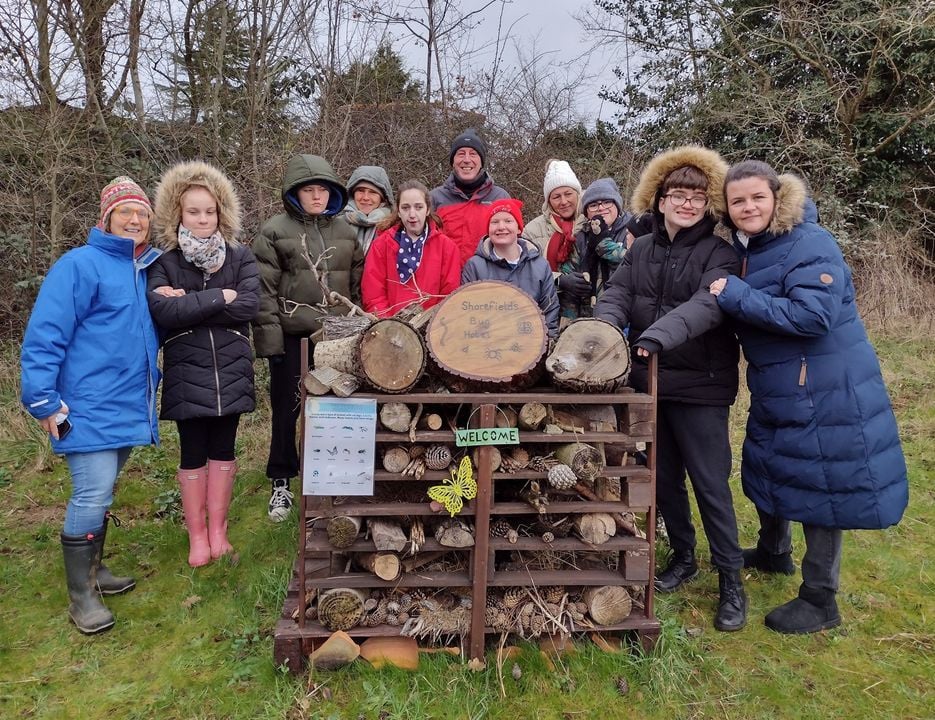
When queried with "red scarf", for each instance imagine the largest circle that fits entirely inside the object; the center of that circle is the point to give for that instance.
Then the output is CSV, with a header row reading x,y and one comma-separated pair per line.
x,y
561,243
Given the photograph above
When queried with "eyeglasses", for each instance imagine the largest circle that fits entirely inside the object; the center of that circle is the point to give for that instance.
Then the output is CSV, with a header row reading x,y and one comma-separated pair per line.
x,y
125,213
696,201
599,204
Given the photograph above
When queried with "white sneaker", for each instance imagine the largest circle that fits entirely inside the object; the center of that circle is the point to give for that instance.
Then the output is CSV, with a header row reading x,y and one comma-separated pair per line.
x,y
280,501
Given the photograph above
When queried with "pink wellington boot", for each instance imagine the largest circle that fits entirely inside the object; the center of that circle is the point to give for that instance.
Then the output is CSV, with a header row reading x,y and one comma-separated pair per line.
x,y
194,487
220,488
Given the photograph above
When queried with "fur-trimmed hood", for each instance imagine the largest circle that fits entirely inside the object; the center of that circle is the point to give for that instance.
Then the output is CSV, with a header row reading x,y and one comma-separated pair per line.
x,y
179,178
790,205
646,195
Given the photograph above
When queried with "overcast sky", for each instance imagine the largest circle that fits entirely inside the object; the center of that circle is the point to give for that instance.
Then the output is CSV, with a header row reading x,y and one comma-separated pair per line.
x,y
539,26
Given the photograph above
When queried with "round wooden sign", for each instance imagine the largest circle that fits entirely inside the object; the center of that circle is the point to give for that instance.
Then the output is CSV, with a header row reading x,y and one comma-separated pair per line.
x,y
488,332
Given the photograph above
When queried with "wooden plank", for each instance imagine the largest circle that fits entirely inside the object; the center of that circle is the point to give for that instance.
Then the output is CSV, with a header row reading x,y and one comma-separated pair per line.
x,y
546,396
571,507
637,492
318,541
617,543
389,509
414,579
557,577
636,567
481,556
638,472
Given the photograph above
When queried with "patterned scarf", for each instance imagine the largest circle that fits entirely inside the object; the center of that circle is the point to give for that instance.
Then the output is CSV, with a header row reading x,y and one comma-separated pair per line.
x,y
561,243
205,253
409,256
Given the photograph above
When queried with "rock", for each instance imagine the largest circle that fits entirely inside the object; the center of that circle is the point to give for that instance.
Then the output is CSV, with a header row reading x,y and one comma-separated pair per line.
x,y
335,652
401,652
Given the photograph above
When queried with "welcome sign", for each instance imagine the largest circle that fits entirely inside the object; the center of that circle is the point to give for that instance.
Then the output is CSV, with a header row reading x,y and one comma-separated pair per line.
x,y
473,437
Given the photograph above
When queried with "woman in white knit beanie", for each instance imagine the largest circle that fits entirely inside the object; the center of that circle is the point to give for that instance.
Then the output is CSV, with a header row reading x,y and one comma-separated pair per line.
x,y
554,230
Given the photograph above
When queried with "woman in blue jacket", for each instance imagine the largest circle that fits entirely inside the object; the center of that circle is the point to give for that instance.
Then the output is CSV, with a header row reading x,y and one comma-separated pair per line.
x,y
89,376
822,447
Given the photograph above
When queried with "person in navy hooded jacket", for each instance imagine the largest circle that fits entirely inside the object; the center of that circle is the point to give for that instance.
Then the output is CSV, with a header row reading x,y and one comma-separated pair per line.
x,y
89,376
822,447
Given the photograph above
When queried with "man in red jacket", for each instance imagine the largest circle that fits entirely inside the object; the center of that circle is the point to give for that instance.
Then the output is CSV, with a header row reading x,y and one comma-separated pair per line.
x,y
463,200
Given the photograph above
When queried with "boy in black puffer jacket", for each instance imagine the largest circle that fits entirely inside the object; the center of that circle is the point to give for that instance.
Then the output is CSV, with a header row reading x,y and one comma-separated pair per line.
x,y
658,292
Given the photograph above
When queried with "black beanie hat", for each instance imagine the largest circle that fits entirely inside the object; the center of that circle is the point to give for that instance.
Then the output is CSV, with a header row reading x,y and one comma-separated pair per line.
x,y
469,139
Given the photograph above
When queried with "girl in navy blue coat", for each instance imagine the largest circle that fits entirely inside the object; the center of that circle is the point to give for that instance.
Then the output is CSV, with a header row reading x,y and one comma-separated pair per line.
x,y
822,447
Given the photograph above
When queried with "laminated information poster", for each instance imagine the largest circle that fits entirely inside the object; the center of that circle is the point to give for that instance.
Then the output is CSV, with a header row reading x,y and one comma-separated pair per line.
x,y
339,446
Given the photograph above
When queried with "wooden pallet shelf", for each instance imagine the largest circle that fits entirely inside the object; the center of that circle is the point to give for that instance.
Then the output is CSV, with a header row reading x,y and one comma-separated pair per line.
x,y
317,560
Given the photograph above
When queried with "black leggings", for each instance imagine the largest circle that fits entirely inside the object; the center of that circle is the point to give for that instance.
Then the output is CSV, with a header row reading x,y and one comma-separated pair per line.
x,y
204,438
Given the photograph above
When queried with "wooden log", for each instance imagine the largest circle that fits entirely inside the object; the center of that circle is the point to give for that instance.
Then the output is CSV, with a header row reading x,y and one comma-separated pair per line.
x,y
595,528
341,608
395,459
532,415
318,382
590,355
391,356
506,418
454,533
343,530
387,535
585,460
495,459
608,604
340,354
385,565
335,327
624,522
431,421
324,380
488,335
344,385
395,417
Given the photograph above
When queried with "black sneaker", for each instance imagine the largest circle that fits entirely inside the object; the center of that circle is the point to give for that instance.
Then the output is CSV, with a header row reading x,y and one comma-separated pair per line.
x,y
280,500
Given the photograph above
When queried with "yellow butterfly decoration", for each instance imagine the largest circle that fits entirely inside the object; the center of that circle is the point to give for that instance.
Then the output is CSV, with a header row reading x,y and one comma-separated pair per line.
x,y
460,485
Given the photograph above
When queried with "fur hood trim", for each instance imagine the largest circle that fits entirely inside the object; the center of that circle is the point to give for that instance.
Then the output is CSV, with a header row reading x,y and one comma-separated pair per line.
x,y
646,195
790,205
179,178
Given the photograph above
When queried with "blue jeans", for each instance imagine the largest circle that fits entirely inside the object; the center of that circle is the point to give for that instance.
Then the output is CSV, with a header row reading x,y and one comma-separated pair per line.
x,y
93,476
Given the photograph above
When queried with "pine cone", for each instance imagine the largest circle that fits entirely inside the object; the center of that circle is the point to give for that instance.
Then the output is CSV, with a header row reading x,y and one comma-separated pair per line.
x,y
377,617
536,624
513,597
502,622
553,593
392,607
562,477
542,463
405,601
392,620
499,528
438,457
548,537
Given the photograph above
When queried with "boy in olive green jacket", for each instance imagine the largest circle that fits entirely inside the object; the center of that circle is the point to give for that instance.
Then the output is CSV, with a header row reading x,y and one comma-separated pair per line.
x,y
311,227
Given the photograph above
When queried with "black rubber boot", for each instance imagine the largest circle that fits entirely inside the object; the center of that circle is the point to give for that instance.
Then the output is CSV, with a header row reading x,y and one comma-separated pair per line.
x,y
815,609
732,602
759,559
107,582
681,569
82,555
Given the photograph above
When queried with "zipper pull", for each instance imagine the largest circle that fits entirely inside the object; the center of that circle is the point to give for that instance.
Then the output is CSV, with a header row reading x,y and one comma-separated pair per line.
x,y
803,372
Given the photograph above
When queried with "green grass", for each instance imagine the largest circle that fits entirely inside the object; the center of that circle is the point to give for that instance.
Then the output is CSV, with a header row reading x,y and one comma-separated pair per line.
x,y
198,643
